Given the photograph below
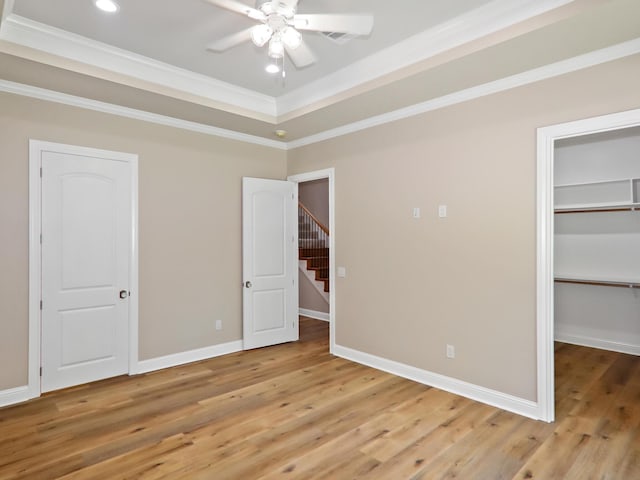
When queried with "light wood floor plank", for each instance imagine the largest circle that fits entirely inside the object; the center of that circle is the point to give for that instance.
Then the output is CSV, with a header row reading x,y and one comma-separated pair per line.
x,y
293,411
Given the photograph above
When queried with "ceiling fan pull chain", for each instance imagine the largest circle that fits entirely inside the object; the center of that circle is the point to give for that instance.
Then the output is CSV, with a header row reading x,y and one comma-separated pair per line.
x,y
284,73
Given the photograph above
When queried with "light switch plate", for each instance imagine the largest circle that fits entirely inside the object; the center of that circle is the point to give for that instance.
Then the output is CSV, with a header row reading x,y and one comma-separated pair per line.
x,y
342,272
416,212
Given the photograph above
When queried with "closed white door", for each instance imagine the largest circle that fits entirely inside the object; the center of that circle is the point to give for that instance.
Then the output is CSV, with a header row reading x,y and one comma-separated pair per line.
x,y
86,234
270,264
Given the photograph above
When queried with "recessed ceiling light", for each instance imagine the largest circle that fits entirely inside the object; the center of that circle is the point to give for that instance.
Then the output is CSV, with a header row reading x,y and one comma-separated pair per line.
x,y
108,6
272,68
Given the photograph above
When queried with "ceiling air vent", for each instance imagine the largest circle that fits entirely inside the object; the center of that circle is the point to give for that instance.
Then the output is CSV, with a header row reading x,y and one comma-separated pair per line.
x,y
338,37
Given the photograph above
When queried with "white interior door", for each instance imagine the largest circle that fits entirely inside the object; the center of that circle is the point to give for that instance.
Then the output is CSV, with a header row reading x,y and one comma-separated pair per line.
x,y
86,233
269,259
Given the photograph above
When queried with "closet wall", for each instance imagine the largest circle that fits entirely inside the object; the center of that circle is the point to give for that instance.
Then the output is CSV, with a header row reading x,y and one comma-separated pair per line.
x,y
597,240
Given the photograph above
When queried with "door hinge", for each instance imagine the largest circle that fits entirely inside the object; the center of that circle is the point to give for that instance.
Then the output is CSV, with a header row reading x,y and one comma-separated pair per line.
x,y
40,371
40,239
40,172
40,304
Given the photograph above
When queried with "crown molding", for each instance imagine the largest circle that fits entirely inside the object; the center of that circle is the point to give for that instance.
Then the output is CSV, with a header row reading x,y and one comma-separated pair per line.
x,y
465,28
573,64
8,8
54,41
580,62
490,18
97,106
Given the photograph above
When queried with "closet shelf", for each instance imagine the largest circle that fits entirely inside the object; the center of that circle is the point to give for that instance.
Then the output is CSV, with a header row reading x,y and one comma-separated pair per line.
x,y
598,281
622,207
594,196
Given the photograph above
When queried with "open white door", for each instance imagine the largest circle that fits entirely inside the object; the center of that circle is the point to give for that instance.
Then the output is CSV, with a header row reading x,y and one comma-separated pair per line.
x,y
269,260
86,234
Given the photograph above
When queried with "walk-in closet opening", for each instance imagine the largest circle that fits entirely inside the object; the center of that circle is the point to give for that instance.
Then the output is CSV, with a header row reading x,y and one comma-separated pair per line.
x,y
596,259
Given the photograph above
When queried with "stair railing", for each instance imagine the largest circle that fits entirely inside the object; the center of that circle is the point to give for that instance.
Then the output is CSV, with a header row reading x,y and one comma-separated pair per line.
x,y
311,232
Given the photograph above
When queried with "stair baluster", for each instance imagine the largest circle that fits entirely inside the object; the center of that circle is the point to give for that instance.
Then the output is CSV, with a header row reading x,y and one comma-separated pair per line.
x,y
313,244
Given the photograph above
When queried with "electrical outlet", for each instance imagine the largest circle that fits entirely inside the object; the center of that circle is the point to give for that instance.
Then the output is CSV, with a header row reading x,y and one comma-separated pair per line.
x,y
451,351
218,324
442,211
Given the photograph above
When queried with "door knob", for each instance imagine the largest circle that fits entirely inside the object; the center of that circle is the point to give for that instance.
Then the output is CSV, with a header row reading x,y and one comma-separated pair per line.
x,y
124,294
247,284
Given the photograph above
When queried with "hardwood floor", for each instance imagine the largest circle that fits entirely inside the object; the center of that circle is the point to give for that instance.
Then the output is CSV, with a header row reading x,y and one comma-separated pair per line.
x,y
294,411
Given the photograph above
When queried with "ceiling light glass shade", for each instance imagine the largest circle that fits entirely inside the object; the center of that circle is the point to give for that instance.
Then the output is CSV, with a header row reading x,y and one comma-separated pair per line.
x,y
272,68
260,34
107,5
291,37
276,48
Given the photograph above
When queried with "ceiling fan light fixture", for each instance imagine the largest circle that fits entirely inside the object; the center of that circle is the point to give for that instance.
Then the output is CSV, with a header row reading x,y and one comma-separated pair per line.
x,y
291,37
260,34
272,68
108,6
276,48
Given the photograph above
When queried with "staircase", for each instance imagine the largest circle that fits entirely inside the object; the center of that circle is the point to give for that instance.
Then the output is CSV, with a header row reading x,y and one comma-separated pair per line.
x,y
313,250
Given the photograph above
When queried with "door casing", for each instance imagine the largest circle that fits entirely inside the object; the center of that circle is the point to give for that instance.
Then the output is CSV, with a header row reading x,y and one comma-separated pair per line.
x,y
547,137
329,174
36,147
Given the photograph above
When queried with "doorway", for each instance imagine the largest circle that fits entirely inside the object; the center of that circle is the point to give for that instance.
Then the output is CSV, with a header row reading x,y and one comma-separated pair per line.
x,y
82,265
317,283
546,266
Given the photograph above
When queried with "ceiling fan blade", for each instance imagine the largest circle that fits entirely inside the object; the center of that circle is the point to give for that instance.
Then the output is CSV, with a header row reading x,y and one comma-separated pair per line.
x,y
301,56
289,3
229,41
238,7
348,23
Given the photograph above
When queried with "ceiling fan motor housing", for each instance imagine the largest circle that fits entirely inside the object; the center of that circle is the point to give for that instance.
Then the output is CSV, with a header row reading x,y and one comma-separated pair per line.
x,y
271,7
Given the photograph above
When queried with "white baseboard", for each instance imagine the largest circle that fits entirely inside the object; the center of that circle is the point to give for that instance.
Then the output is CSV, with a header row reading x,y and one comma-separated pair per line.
x,y
494,398
593,342
313,314
15,395
181,358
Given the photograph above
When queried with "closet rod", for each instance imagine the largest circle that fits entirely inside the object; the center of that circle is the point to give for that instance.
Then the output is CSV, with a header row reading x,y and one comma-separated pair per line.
x,y
600,283
597,210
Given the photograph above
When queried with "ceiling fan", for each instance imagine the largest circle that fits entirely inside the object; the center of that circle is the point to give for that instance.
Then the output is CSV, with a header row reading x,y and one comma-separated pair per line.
x,y
279,26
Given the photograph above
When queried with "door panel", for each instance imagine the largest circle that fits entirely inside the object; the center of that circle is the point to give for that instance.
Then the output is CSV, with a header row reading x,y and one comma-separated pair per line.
x,y
270,299
86,231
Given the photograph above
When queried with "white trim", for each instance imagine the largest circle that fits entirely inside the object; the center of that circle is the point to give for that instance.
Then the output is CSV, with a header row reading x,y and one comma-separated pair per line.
x,y
32,34
465,28
15,395
598,57
95,105
134,276
36,147
580,62
175,359
494,398
314,314
544,241
575,337
317,175
8,8
35,269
